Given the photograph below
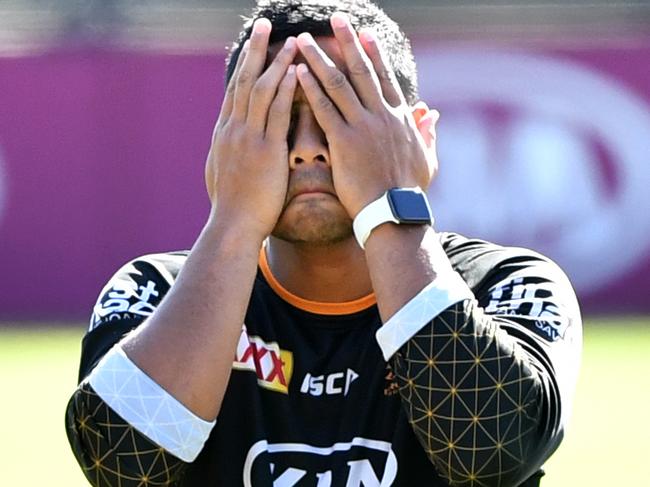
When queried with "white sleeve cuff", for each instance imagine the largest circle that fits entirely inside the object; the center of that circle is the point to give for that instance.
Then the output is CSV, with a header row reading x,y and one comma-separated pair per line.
x,y
446,290
148,407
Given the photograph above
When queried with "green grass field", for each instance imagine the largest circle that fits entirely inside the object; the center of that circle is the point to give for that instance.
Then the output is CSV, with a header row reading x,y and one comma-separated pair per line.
x,y
608,443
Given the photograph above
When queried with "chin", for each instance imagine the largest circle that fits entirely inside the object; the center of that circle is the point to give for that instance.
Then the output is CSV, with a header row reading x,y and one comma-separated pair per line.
x,y
314,224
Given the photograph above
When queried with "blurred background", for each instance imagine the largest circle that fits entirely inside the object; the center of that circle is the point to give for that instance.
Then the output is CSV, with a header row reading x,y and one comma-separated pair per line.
x,y
106,113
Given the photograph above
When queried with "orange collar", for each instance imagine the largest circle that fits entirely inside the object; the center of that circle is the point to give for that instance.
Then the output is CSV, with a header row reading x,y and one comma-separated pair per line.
x,y
317,307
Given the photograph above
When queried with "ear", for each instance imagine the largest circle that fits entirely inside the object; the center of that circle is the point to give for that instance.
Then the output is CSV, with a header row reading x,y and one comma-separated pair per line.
x,y
425,121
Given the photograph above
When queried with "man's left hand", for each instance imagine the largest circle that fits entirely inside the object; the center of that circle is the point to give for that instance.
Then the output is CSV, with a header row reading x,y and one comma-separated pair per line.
x,y
376,140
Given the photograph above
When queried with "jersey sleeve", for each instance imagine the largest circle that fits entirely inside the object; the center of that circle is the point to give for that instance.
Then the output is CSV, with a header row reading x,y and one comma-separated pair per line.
x,y
129,298
124,429
486,358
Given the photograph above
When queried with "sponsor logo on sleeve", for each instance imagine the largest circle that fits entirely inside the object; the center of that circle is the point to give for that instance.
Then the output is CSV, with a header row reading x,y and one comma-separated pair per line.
x,y
360,462
126,298
272,365
529,298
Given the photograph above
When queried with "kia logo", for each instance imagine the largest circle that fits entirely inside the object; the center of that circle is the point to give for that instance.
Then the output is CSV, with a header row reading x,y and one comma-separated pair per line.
x,y
361,462
544,153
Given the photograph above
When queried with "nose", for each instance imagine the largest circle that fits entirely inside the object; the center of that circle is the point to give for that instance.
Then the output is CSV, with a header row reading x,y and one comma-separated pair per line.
x,y
307,143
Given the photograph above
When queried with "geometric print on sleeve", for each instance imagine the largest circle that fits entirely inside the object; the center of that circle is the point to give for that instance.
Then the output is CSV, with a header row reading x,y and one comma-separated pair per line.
x,y
110,451
148,407
473,402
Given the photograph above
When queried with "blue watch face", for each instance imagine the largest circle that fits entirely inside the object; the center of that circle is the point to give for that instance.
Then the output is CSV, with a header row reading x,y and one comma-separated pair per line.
x,y
409,206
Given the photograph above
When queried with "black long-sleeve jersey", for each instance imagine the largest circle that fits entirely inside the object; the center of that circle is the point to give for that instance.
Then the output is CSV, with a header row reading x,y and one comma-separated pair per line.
x,y
478,396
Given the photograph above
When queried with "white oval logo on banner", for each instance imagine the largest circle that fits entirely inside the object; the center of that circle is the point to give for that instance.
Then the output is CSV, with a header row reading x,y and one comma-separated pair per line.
x,y
542,153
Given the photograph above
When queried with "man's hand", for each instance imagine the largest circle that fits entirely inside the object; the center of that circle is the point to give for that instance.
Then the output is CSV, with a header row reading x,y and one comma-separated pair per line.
x,y
374,141
247,168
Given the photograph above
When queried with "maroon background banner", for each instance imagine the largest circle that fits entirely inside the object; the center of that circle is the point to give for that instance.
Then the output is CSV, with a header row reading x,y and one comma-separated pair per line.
x,y
102,153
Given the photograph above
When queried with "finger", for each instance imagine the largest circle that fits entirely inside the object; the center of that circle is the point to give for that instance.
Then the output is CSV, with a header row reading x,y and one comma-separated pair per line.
x,y
360,69
252,67
279,112
334,82
388,81
326,113
266,86
226,106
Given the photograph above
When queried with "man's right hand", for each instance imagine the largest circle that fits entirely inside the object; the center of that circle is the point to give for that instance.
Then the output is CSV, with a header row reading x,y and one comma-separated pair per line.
x,y
247,168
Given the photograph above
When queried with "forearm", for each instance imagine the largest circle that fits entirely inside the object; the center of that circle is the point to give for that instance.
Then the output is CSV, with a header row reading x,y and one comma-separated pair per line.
x,y
200,320
402,260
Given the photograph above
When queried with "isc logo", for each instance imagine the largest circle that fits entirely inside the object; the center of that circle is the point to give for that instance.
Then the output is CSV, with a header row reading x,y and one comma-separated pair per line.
x,y
332,384
358,463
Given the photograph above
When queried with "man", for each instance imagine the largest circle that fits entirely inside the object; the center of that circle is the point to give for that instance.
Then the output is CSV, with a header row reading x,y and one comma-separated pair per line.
x,y
374,351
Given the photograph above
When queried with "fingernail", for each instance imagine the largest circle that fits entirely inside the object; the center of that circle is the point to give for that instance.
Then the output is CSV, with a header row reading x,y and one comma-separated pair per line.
x,y
305,38
290,42
339,20
292,69
261,25
367,35
302,69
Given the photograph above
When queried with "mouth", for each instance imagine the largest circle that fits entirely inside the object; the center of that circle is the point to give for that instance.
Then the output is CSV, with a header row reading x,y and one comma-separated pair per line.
x,y
312,191
309,194
310,184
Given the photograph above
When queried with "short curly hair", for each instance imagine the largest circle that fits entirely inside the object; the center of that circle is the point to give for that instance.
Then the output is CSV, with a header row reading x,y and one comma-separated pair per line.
x,y
291,17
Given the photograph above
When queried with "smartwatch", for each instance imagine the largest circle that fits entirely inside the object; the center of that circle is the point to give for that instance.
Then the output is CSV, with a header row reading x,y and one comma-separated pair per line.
x,y
398,205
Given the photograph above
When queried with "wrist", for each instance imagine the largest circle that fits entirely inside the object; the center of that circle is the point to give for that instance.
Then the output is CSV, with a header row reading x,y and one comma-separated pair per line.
x,y
401,206
401,235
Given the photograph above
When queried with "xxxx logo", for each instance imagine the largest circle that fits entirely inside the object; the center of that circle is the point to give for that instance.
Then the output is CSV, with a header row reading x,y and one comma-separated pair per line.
x,y
272,365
